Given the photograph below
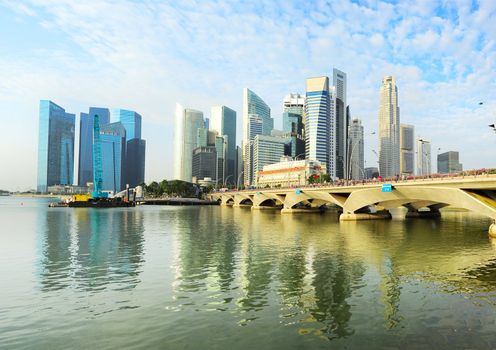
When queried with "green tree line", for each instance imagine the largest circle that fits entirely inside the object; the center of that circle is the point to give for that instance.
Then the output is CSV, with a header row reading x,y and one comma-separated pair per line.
x,y
173,188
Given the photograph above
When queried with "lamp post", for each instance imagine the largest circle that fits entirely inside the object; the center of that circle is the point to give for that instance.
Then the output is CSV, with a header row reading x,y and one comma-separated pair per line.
x,y
378,164
225,180
424,156
237,183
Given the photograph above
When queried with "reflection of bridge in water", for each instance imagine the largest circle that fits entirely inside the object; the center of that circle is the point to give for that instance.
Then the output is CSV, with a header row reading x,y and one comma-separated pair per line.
x,y
368,201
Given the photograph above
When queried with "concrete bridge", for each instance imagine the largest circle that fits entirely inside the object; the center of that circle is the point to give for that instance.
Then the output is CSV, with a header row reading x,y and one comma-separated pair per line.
x,y
368,201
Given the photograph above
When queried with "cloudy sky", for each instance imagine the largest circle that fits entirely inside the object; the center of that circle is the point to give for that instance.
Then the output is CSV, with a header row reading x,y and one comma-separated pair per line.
x,y
148,55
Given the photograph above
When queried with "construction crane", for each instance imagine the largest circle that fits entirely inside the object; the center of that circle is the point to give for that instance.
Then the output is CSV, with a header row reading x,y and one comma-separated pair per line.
x,y
97,161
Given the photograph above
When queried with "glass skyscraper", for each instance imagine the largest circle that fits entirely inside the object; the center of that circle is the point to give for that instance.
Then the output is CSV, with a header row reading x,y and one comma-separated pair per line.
x,y
318,125
113,146
223,121
85,166
131,121
55,146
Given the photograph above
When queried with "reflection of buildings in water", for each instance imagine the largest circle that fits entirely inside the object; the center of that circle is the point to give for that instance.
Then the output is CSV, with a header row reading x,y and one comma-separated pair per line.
x,y
390,293
106,247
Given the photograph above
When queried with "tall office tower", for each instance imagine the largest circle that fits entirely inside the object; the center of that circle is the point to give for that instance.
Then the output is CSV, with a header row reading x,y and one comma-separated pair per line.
x,y
423,157
407,163
254,128
253,106
204,163
55,146
223,121
221,150
319,131
85,166
134,167
294,103
113,148
239,164
187,122
266,150
293,129
341,122
389,128
448,162
355,169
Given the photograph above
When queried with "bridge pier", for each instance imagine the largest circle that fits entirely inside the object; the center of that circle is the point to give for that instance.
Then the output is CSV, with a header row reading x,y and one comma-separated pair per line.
x,y
301,210
492,230
380,215
264,207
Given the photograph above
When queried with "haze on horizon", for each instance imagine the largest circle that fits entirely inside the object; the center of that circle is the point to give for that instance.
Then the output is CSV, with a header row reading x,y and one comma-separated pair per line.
x,y
146,56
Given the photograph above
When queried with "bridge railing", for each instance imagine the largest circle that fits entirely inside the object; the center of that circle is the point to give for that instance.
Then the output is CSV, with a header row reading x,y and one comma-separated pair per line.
x,y
476,173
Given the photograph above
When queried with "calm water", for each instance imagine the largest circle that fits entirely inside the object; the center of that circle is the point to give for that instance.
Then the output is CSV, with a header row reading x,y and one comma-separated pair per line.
x,y
223,278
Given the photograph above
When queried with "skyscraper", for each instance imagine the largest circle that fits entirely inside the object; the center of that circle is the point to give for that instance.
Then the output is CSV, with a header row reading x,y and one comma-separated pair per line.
x,y
407,163
113,151
256,121
448,162
187,122
356,162
55,146
134,170
266,150
423,157
85,166
318,123
389,128
341,122
223,121
294,103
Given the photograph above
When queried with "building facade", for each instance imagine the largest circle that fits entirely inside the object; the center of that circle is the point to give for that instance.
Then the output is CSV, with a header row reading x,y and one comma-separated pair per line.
x,y
294,103
423,157
371,173
356,145
256,121
223,121
389,128
55,146
289,172
319,126
407,150
341,122
113,151
449,162
85,164
266,150
204,163
187,122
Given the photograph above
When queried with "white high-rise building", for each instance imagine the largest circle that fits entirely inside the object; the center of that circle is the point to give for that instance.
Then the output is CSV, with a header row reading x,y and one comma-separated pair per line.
x,y
423,157
187,122
319,126
294,103
356,164
389,128
341,122
256,121
407,141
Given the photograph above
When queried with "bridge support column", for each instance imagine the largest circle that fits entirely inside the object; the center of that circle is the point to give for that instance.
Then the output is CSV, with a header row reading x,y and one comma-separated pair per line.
x,y
492,230
301,210
380,215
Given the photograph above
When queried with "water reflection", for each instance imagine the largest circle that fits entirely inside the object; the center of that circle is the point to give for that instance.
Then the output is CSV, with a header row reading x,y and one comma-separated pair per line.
x,y
90,249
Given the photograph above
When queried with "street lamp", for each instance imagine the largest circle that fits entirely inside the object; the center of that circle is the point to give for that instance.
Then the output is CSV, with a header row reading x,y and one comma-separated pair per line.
x,y
225,180
237,184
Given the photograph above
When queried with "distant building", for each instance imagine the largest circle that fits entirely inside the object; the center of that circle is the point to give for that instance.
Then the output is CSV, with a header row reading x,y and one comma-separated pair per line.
x,y
371,173
266,150
55,146
187,122
204,162
113,148
341,122
319,127
294,103
223,121
256,121
356,149
407,152
85,166
423,157
134,169
239,165
448,162
289,172
389,128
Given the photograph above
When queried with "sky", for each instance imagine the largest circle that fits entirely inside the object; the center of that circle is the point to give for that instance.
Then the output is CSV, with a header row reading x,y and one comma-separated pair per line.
x,y
148,55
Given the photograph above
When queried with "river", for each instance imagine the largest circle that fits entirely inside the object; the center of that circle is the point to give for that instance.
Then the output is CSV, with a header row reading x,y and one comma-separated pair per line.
x,y
164,277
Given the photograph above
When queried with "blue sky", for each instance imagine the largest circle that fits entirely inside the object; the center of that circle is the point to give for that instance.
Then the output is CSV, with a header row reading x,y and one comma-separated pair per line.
x,y
148,55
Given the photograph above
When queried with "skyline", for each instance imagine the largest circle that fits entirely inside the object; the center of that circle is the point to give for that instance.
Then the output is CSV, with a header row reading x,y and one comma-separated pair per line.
x,y
80,56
